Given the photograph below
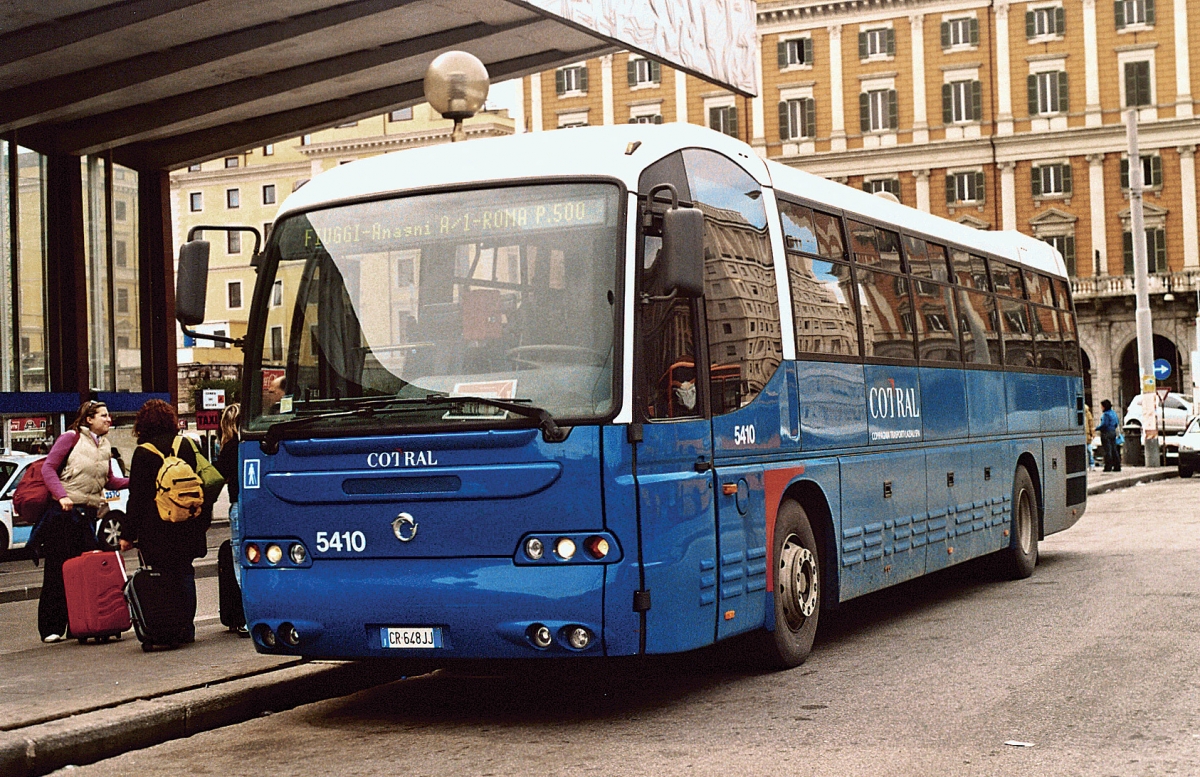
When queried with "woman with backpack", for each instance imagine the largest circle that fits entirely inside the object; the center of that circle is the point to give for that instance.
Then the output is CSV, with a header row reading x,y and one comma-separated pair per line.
x,y
167,545
75,472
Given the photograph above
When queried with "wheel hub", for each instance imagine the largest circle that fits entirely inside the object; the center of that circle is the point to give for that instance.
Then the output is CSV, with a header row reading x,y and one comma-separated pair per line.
x,y
799,582
1025,522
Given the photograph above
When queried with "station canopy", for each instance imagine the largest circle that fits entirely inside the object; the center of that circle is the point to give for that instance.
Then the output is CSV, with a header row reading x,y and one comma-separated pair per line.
x,y
165,83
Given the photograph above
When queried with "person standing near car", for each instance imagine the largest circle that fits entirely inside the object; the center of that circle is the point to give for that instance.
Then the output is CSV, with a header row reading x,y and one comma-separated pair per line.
x,y
76,472
1108,428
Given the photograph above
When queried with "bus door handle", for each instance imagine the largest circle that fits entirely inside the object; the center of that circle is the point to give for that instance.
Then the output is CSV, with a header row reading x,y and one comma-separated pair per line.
x,y
702,465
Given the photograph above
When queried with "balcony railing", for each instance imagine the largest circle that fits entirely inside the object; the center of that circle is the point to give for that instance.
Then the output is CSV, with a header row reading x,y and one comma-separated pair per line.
x,y
1179,283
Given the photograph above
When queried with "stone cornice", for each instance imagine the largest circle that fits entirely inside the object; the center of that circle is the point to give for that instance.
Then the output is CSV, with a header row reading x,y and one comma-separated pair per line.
x,y
425,137
817,13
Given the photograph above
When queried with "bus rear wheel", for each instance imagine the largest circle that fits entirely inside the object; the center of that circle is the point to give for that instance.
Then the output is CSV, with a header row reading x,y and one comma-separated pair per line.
x,y
1021,556
797,567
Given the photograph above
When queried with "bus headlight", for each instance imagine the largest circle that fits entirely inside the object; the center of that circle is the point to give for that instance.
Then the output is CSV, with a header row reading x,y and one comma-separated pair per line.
x,y
565,548
274,554
297,553
580,638
253,554
534,548
597,547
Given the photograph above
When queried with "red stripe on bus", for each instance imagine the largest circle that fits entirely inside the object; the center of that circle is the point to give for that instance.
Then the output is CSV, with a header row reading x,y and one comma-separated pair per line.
x,y
774,483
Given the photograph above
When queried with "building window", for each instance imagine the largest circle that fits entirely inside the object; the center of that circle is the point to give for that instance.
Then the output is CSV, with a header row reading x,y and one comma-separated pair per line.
x,y
889,185
276,294
122,343
962,101
724,118
1151,172
269,149
1137,84
233,198
196,201
1048,93
403,114
119,210
194,168
1156,250
644,72
960,32
1066,246
1129,12
276,343
122,300
964,188
1051,180
573,119
646,117
798,119
795,52
306,140
878,110
1040,22
120,255
233,242
571,80
233,292
269,194
230,162
880,42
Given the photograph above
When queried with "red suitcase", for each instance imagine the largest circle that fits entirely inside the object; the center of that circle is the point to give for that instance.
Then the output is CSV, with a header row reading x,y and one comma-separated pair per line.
x,y
95,584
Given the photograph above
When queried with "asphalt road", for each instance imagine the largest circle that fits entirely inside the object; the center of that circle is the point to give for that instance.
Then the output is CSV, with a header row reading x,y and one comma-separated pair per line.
x,y
1090,667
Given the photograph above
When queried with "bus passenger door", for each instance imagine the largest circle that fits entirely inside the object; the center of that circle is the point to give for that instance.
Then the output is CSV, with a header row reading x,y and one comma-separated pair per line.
x,y
675,481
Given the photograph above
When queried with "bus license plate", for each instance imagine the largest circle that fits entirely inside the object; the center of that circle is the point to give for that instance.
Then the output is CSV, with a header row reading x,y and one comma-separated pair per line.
x,y
420,637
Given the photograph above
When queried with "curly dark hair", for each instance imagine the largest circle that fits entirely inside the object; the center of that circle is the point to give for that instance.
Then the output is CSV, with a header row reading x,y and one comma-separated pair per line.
x,y
156,418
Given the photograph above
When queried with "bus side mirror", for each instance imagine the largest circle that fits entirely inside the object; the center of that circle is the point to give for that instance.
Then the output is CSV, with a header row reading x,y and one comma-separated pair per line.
x,y
191,282
683,252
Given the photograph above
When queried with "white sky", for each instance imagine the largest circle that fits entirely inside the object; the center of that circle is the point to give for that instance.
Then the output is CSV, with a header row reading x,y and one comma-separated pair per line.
x,y
504,95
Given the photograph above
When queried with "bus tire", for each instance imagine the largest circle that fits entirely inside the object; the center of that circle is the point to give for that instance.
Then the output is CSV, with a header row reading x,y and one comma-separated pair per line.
x,y
1021,555
797,598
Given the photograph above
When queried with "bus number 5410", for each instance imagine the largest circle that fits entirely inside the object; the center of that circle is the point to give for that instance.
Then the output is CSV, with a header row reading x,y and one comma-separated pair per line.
x,y
355,542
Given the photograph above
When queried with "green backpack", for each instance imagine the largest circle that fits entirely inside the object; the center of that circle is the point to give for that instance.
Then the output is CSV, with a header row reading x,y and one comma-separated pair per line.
x,y
179,491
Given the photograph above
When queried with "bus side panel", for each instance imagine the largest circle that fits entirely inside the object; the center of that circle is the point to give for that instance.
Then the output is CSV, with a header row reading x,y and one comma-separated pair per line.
x,y
943,403
621,623
1025,401
883,508
1054,480
1058,403
742,559
973,508
833,411
985,400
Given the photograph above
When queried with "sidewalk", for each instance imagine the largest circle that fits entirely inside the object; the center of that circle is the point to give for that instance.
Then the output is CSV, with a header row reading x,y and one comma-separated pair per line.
x,y
67,703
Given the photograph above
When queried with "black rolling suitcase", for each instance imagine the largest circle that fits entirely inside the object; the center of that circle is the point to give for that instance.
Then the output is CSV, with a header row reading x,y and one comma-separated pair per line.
x,y
157,606
233,616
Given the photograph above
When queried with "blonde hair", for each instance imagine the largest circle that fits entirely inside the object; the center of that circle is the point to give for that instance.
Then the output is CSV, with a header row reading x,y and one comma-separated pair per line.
x,y
229,422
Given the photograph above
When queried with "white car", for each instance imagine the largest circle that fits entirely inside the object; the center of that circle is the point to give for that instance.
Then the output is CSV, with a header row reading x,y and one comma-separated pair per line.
x,y
1189,449
14,535
1172,414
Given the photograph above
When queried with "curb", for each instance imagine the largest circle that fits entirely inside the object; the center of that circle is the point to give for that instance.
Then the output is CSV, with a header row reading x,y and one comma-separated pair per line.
x,y
91,737
1164,473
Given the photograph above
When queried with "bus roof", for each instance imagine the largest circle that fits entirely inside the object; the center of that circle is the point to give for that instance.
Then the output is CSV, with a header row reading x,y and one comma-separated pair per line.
x,y
607,151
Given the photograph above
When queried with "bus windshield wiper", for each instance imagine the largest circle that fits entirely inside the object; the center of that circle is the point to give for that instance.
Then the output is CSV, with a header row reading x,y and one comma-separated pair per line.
x,y
551,431
363,409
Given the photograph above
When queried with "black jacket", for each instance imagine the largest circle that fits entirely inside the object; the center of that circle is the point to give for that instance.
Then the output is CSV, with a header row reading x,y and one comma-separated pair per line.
x,y
227,465
162,543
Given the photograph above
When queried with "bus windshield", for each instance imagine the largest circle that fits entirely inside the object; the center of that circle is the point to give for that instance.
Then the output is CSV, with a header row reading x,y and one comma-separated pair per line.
x,y
506,294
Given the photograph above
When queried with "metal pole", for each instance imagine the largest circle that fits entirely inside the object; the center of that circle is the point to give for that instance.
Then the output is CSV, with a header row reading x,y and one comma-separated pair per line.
x,y
1145,331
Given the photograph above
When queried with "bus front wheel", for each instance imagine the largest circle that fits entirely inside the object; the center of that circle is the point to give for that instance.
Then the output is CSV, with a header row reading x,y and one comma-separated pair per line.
x,y
1021,556
797,566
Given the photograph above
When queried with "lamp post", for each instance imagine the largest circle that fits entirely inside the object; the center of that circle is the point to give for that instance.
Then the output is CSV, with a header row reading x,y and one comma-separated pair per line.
x,y
456,85
1141,285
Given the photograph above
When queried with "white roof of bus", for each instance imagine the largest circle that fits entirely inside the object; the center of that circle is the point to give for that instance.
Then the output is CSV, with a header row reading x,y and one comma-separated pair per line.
x,y
601,151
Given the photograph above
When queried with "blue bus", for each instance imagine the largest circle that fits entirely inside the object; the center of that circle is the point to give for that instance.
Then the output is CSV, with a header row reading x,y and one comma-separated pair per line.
x,y
631,390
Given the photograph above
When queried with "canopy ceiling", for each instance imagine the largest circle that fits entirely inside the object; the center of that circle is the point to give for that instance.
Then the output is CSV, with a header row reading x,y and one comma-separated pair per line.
x,y
165,83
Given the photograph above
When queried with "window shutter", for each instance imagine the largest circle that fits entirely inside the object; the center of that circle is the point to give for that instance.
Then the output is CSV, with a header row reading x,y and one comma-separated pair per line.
x,y
633,120
947,104
1060,20
1069,253
1127,251
976,101
583,79
945,35
560,81
632,72
733,121
1149,11
658,118
893,109
862,45
783,57
974,31
1064,100
1130,84
1119,13
1124,173
950,192
1033,94
808,50
891,42
714,120
1156,170
1066,174
1036,182
1030,28
655,72
785,130
979,192
864,111
1160,250
810,118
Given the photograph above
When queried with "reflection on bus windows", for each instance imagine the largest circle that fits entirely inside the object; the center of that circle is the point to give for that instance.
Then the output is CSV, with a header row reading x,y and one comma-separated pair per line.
x,y
887,315
823,312
1048,348
1018,334
937,331
979,324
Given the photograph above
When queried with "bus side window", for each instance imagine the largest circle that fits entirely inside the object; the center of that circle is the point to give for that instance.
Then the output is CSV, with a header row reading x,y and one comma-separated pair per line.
x,y
887,314
978,322
1048,349
823,311
937,325
1070,342
669,345
1018,332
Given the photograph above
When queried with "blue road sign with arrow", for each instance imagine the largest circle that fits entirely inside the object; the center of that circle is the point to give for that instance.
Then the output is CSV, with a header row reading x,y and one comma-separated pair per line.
x,y
1162,369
